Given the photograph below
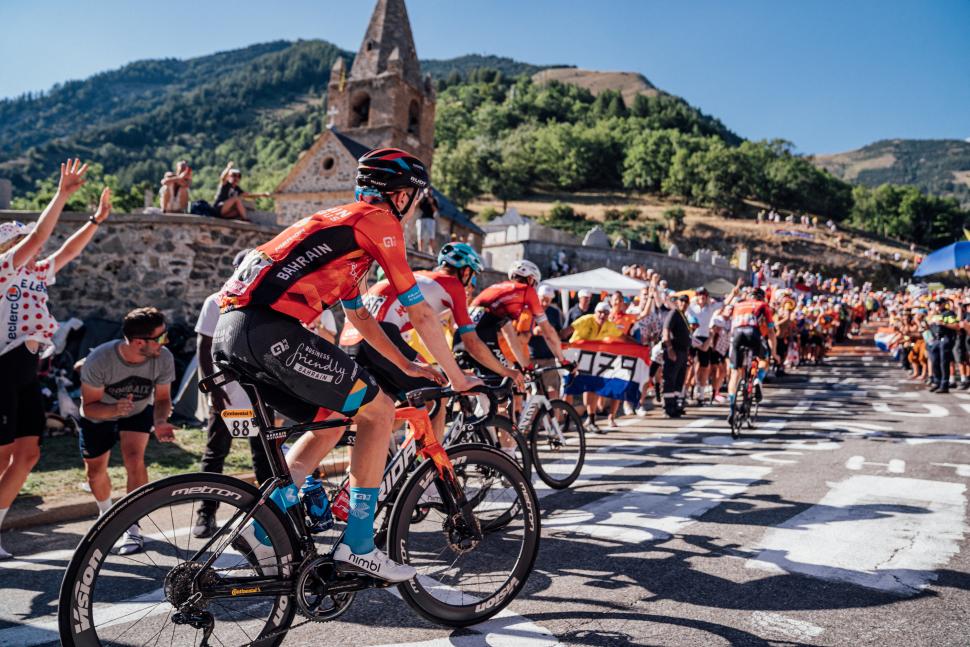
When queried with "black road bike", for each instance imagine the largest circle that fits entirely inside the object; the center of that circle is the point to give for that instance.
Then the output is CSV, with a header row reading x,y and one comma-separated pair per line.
x,y
746,407
466,518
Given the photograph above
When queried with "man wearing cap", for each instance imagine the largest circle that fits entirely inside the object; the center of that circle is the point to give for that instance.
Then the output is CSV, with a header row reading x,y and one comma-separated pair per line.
x,y
539,349
229,396
676,340
944,323
703,310
583,307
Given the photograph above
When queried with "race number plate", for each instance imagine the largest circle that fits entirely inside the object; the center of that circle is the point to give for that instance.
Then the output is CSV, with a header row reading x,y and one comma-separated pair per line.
x,y
240,422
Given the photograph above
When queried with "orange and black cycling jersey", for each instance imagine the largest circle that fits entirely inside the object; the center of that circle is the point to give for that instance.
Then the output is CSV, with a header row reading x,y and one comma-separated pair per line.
x,y
506,301
752,314
320,260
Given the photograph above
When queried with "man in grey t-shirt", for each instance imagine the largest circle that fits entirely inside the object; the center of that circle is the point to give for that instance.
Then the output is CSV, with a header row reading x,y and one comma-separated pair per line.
x,y
126,393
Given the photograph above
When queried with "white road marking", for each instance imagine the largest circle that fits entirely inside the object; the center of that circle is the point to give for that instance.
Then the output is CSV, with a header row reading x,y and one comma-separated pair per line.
x,y
880,532
789,627
505,629
962,469
932,410
660,507
802,407
905,395
894,466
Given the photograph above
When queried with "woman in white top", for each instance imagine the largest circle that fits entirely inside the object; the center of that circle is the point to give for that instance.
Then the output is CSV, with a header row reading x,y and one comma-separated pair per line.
x,y
28,327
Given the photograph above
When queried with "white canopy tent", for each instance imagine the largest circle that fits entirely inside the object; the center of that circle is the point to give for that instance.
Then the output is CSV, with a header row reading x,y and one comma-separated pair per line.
x,y
602,279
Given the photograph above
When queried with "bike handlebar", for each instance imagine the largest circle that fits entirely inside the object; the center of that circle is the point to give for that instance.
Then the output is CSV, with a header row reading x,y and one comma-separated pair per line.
x,y
420,397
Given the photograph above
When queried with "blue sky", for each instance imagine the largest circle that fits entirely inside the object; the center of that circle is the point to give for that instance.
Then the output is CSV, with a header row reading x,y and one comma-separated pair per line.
x,y
827,75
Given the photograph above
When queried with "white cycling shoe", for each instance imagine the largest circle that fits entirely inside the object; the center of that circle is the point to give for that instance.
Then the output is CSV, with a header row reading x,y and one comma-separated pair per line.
x,y
375,563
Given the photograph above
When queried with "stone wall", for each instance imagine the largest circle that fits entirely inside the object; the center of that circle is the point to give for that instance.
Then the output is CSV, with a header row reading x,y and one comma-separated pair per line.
x,y
681,273
172,262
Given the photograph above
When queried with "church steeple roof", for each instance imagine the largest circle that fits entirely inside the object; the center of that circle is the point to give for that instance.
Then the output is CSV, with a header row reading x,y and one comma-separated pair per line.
x,y
388,39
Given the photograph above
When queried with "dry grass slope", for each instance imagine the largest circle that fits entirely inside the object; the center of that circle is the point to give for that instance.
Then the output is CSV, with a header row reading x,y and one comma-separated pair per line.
x,y
629,84
829,253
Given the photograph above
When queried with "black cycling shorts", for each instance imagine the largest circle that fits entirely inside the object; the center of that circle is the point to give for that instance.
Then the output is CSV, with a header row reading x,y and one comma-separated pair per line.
x,y
704,357
98,437
297,372
22,412
746,337
469,363
392,380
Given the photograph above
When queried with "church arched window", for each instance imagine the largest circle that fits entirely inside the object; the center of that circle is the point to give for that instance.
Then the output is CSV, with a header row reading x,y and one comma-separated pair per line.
x,y
360,111
414,117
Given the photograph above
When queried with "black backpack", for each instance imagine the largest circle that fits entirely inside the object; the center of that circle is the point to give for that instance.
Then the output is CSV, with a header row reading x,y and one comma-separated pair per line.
x,y
202,208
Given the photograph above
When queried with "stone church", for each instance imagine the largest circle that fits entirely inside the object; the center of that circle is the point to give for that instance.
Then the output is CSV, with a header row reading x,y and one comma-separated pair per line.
x,y
382,101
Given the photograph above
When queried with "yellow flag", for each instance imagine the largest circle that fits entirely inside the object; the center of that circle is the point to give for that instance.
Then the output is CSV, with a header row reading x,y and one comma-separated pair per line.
x,y
966,232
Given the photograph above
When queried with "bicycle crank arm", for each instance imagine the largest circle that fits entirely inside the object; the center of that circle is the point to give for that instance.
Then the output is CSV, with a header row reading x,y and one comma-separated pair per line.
x,y
351,583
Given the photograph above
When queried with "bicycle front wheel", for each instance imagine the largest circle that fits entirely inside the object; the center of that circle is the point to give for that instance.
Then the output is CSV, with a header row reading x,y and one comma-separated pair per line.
x,y
466,574
112,595
558,445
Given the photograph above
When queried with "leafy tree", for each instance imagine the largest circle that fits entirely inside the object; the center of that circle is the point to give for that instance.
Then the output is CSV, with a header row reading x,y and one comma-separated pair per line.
x,y
648,159
457,171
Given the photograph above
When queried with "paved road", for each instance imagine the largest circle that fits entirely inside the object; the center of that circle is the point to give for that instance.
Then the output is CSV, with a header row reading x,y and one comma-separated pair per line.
x,y
840,520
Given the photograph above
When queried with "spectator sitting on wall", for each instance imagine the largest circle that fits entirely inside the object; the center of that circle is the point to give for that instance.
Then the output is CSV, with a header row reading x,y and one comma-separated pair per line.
x,y
426,228
559,266
174,193
126,393
229,200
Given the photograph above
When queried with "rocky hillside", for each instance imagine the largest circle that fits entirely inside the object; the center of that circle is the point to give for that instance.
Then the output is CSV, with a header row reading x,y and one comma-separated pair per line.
x,y
937,166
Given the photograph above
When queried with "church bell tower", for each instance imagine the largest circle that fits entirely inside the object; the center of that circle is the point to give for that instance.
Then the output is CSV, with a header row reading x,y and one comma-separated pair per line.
x,y
384,100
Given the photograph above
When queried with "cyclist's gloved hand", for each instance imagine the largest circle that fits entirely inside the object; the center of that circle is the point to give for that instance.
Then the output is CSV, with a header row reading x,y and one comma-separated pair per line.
x,y
418,369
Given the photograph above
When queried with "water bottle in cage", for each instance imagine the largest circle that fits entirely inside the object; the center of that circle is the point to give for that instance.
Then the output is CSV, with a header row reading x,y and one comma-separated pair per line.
x,y
316,504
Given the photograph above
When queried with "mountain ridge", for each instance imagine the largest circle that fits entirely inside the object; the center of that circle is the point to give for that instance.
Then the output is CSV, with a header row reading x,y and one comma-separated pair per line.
x,y
936,166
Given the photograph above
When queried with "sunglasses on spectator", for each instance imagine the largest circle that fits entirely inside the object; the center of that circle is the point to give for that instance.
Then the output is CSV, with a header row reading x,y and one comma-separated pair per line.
x,y
161,339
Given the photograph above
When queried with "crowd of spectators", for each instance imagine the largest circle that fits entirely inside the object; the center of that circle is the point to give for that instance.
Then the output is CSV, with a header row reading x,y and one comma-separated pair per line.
x,y
126,392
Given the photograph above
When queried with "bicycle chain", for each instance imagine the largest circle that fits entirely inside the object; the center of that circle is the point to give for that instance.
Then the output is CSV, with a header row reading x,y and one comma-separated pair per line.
x,y
273,634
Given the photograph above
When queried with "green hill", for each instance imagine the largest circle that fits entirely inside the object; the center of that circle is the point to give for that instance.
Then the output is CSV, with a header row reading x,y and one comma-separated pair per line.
x,y
259,106
937,166
498,132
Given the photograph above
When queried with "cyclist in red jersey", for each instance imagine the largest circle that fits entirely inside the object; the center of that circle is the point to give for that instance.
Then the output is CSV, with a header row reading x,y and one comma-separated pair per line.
x,y
499,306
444,290
751,322
287,282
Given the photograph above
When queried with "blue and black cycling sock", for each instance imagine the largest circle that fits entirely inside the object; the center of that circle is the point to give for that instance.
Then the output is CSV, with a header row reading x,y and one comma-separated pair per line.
x,y
732,397
761,375
359,535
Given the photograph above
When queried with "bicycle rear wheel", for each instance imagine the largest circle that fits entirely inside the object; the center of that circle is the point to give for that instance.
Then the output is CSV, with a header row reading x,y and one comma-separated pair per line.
x,y
462,579
558,444
108,598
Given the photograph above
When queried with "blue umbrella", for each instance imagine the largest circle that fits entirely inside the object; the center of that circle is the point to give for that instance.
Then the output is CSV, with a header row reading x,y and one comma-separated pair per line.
x,y
948,258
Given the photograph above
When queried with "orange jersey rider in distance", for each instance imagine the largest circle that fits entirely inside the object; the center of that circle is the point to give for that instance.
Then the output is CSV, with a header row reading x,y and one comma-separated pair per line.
x,y
752,314
507,300
320,260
